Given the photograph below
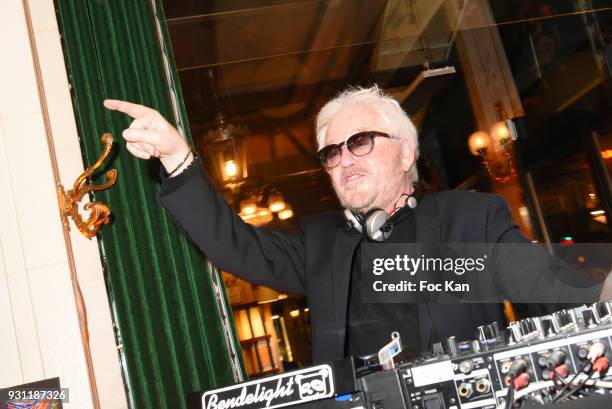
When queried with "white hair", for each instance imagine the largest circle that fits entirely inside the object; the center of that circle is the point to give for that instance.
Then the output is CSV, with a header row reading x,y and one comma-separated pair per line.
x,y
397,121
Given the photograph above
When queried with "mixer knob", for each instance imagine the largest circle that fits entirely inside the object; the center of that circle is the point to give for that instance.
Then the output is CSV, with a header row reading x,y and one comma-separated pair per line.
x,y
466,366
588,317
515,332
488,334
573,318
496,330
564,319
526,327
531,327
538,327
451,345
601,311
558,321
548,328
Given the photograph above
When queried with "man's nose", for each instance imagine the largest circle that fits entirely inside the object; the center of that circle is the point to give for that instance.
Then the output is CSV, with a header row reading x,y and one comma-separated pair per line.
x,y
346,157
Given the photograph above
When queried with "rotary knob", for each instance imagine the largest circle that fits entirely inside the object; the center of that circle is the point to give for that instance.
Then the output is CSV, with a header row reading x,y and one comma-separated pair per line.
x,y
564,320
451,345
531,327
488,334
602,311
548,327
466,366
515,332
588,317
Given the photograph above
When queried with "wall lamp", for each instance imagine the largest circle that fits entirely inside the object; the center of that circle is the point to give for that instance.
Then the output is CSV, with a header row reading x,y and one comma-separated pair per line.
x,y
494,149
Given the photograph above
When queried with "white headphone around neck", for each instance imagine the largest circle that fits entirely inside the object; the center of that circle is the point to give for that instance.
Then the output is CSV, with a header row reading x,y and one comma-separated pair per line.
x,y
376,223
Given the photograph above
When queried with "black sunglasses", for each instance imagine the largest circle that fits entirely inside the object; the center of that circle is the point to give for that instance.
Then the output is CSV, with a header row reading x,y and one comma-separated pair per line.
x,y
359,144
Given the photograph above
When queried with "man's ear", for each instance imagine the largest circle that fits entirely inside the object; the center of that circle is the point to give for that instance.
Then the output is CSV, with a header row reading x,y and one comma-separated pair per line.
x,y
407,155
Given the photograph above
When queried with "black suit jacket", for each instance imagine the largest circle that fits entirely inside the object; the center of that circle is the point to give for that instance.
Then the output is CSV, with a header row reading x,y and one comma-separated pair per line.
x,y
318,261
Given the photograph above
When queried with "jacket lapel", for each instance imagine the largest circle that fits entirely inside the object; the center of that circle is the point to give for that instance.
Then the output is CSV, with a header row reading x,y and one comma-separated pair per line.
x,y
344,248
428,237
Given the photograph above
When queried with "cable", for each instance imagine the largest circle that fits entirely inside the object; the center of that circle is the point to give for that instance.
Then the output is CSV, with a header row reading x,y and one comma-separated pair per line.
x,y
567,385
518,367
547,384
534,387
529,389
580,385
600,365
600,384
510,395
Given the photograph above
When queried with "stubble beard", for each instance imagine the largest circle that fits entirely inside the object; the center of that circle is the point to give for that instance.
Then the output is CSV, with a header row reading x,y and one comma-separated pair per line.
x,y
380,196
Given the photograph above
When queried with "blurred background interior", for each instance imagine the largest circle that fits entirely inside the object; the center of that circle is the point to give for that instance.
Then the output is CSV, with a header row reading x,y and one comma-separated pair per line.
x,y
510,96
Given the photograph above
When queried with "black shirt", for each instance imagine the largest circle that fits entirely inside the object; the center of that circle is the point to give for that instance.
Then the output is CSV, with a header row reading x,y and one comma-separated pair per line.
x,y
369,325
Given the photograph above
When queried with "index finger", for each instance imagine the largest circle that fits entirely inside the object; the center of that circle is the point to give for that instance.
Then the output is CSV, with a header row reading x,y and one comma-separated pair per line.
x,y
133,110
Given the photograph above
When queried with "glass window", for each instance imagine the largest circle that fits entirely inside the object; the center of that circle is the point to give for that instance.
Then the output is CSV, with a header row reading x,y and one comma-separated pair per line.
x,y
510,96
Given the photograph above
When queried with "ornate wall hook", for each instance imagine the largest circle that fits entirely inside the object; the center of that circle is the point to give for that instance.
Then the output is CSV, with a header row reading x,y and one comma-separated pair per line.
x,y
99,212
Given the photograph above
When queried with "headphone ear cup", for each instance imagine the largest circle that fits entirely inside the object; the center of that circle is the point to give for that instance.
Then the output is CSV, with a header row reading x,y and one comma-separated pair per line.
x,y
376,226
411,202
353,221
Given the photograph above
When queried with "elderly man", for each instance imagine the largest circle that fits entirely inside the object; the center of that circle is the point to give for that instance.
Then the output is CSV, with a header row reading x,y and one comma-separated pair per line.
x,y
369,147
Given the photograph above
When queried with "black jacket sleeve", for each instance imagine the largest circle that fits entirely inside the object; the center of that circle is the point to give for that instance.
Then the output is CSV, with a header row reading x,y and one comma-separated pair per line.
x,y
526,272
260,256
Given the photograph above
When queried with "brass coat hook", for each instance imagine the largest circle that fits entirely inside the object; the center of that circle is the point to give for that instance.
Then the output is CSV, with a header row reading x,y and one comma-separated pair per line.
x,y
99,212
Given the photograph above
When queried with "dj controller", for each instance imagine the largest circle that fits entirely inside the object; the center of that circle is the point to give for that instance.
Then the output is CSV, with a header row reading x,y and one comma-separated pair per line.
x,y
558,360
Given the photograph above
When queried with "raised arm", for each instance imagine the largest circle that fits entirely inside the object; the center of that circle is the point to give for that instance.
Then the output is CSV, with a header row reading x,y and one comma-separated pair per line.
x,y
527,273
150,135
261,256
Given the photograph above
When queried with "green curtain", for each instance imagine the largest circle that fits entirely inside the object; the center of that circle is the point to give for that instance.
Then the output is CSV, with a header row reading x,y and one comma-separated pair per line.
x,y
168,302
